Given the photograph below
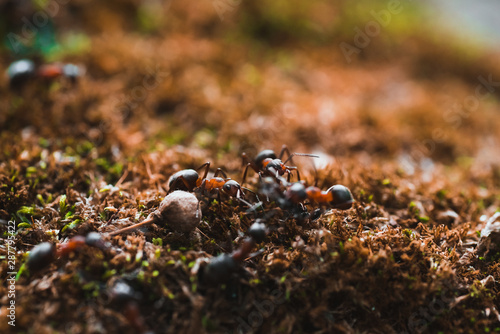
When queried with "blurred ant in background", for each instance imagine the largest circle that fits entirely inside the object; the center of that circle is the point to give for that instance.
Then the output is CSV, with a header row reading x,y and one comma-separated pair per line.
x,y
222,267
45,253
127,299
22,71
266,163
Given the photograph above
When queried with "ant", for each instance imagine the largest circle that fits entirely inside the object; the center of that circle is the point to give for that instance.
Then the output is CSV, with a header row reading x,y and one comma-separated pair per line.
x,y
220,268
291,197
55,70
190,180
268,164
44,253
127,299
337,196
21,71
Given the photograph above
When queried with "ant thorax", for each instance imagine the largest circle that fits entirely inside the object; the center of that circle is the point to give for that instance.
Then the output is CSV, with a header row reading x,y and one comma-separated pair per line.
x,y
274,166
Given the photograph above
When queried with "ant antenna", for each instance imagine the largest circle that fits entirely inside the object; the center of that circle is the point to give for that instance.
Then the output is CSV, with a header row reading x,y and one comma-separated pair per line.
x,y
300,155
316,176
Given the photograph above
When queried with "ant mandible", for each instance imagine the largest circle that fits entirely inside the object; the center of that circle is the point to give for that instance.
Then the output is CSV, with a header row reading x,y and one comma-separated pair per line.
x,y
267,163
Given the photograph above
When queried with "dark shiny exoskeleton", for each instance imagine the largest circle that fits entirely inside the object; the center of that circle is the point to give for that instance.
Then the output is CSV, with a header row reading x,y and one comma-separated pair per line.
x,y
258,231
266,163
41,256
22,71
190,180
265,154
19,72
45,253
296,193
232,188
186,180
219,269
342,197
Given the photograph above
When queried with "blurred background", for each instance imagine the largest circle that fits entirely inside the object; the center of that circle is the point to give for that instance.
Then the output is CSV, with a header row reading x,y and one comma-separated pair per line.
x,y
366,79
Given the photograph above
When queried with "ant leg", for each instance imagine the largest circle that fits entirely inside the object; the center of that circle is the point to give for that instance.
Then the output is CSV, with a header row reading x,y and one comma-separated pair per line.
x,y
245,160
300,155
206,165
253,192
245,173
290,168
284,149
203,186
185,183
175,186
220,171
219,200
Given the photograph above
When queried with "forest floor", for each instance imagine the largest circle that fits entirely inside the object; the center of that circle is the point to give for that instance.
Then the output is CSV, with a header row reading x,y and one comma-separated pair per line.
x,y
408,122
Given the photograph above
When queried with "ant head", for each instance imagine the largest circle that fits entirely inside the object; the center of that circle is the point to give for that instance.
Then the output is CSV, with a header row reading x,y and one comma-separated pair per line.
x,y
258,231
121,292
232,188
94,239
179,180
296,193
263,155
342,197
40,256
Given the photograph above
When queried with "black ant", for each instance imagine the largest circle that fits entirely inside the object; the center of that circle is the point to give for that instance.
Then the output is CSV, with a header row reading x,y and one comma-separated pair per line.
x,y
190,180
125,297
268,164
220,268
44,253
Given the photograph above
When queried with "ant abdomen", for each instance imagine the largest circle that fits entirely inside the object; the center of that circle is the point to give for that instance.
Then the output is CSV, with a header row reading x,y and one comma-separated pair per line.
x,y
263,155
40,256
341,197
185,180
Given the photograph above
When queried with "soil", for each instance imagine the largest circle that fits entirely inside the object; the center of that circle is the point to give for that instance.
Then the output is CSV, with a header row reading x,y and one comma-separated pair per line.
x,y
408,125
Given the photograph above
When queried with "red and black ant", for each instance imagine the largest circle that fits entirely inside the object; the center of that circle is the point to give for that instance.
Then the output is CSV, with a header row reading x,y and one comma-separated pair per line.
x,y
337,196
190,180
24,70
292,197
44,253
268,164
